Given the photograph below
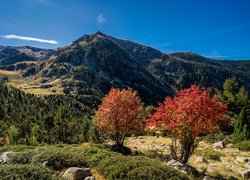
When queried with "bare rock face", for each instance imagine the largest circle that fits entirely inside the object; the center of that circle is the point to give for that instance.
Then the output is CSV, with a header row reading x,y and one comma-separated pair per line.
x,y
218,145
76,173
4,157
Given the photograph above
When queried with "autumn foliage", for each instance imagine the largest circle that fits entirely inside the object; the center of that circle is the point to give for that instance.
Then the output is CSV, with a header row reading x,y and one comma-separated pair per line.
x,y
120,114
190,113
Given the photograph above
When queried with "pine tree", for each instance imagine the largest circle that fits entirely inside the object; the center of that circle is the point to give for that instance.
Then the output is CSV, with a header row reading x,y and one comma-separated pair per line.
x,y
242,127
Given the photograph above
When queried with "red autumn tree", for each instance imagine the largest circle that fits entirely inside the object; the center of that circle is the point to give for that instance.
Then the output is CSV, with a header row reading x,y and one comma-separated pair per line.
x,y
120,114
191,112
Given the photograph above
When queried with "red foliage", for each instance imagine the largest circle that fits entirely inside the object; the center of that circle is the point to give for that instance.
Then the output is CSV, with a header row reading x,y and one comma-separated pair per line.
x,y
120,114
193,111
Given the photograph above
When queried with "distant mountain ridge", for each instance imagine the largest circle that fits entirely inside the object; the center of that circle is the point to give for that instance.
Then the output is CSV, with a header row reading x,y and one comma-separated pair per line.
x,y
94,63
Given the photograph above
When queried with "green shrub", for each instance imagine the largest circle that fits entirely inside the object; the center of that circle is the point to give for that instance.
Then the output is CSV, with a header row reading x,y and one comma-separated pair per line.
x,y
16,148
212,154
212,138
58,159
151,153
94,155
243,146
22,157
28,172
136,167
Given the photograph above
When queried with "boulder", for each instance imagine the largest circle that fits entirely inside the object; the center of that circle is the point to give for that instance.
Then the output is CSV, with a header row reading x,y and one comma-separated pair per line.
x,y
76,173
219,144
245,174
241,159
4,157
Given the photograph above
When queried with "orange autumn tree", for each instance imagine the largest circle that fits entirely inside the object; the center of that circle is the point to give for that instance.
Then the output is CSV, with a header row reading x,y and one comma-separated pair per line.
x,y
190,113
121,114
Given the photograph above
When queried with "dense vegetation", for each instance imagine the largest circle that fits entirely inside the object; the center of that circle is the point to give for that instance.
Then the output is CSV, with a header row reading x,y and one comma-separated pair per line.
x,y
28,119
26,163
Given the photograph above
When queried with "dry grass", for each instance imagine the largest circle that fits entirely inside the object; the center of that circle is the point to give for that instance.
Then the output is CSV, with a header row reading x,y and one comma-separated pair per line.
x,y
30,85
228,154
96,174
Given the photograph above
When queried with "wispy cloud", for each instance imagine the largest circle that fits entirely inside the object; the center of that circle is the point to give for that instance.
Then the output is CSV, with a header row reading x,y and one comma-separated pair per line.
x,y
100,20
23,38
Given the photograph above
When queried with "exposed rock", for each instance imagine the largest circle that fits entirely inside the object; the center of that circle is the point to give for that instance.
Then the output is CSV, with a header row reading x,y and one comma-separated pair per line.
x,y
45,163
201,159
236,169
245,174
76,173
247,165
210,170
241,159
174,162
207,178
90,178
219,144
4,157
230,145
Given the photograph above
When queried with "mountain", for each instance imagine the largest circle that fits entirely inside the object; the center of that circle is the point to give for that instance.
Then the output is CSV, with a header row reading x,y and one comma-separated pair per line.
x,y
94,63
10,55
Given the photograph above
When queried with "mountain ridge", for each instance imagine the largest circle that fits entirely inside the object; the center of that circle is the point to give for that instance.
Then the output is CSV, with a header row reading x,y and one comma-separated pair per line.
x,y
94,63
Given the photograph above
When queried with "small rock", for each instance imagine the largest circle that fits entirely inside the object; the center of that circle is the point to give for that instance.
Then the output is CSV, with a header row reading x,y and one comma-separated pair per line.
x,y
210,170
241,159
76,173
200,159
45,163
230,145
90,178
213,164
207,178
247,165
236,150
4,157
175,164
245,174
236,169
219,144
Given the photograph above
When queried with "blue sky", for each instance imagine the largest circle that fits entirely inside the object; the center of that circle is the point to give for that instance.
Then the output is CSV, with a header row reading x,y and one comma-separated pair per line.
x,y
218,29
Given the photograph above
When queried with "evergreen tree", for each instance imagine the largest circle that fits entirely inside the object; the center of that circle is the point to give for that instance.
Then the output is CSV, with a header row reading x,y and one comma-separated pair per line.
x,y
242,127
49,124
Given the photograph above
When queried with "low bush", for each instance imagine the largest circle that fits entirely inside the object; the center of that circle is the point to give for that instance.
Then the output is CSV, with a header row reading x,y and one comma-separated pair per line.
x,y
58,159
21,157
211,154
243,146
16,148
212,138
136,167
94,155
28,172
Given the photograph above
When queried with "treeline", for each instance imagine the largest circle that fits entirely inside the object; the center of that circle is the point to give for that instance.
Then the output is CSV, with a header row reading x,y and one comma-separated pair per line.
x,y
29,119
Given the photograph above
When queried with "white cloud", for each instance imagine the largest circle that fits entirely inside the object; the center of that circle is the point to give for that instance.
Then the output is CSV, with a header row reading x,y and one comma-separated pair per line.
x,y
100,19
23,38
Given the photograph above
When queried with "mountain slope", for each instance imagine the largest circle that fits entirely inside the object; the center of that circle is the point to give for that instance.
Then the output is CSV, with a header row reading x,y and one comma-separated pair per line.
x,y
12,55
92,64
